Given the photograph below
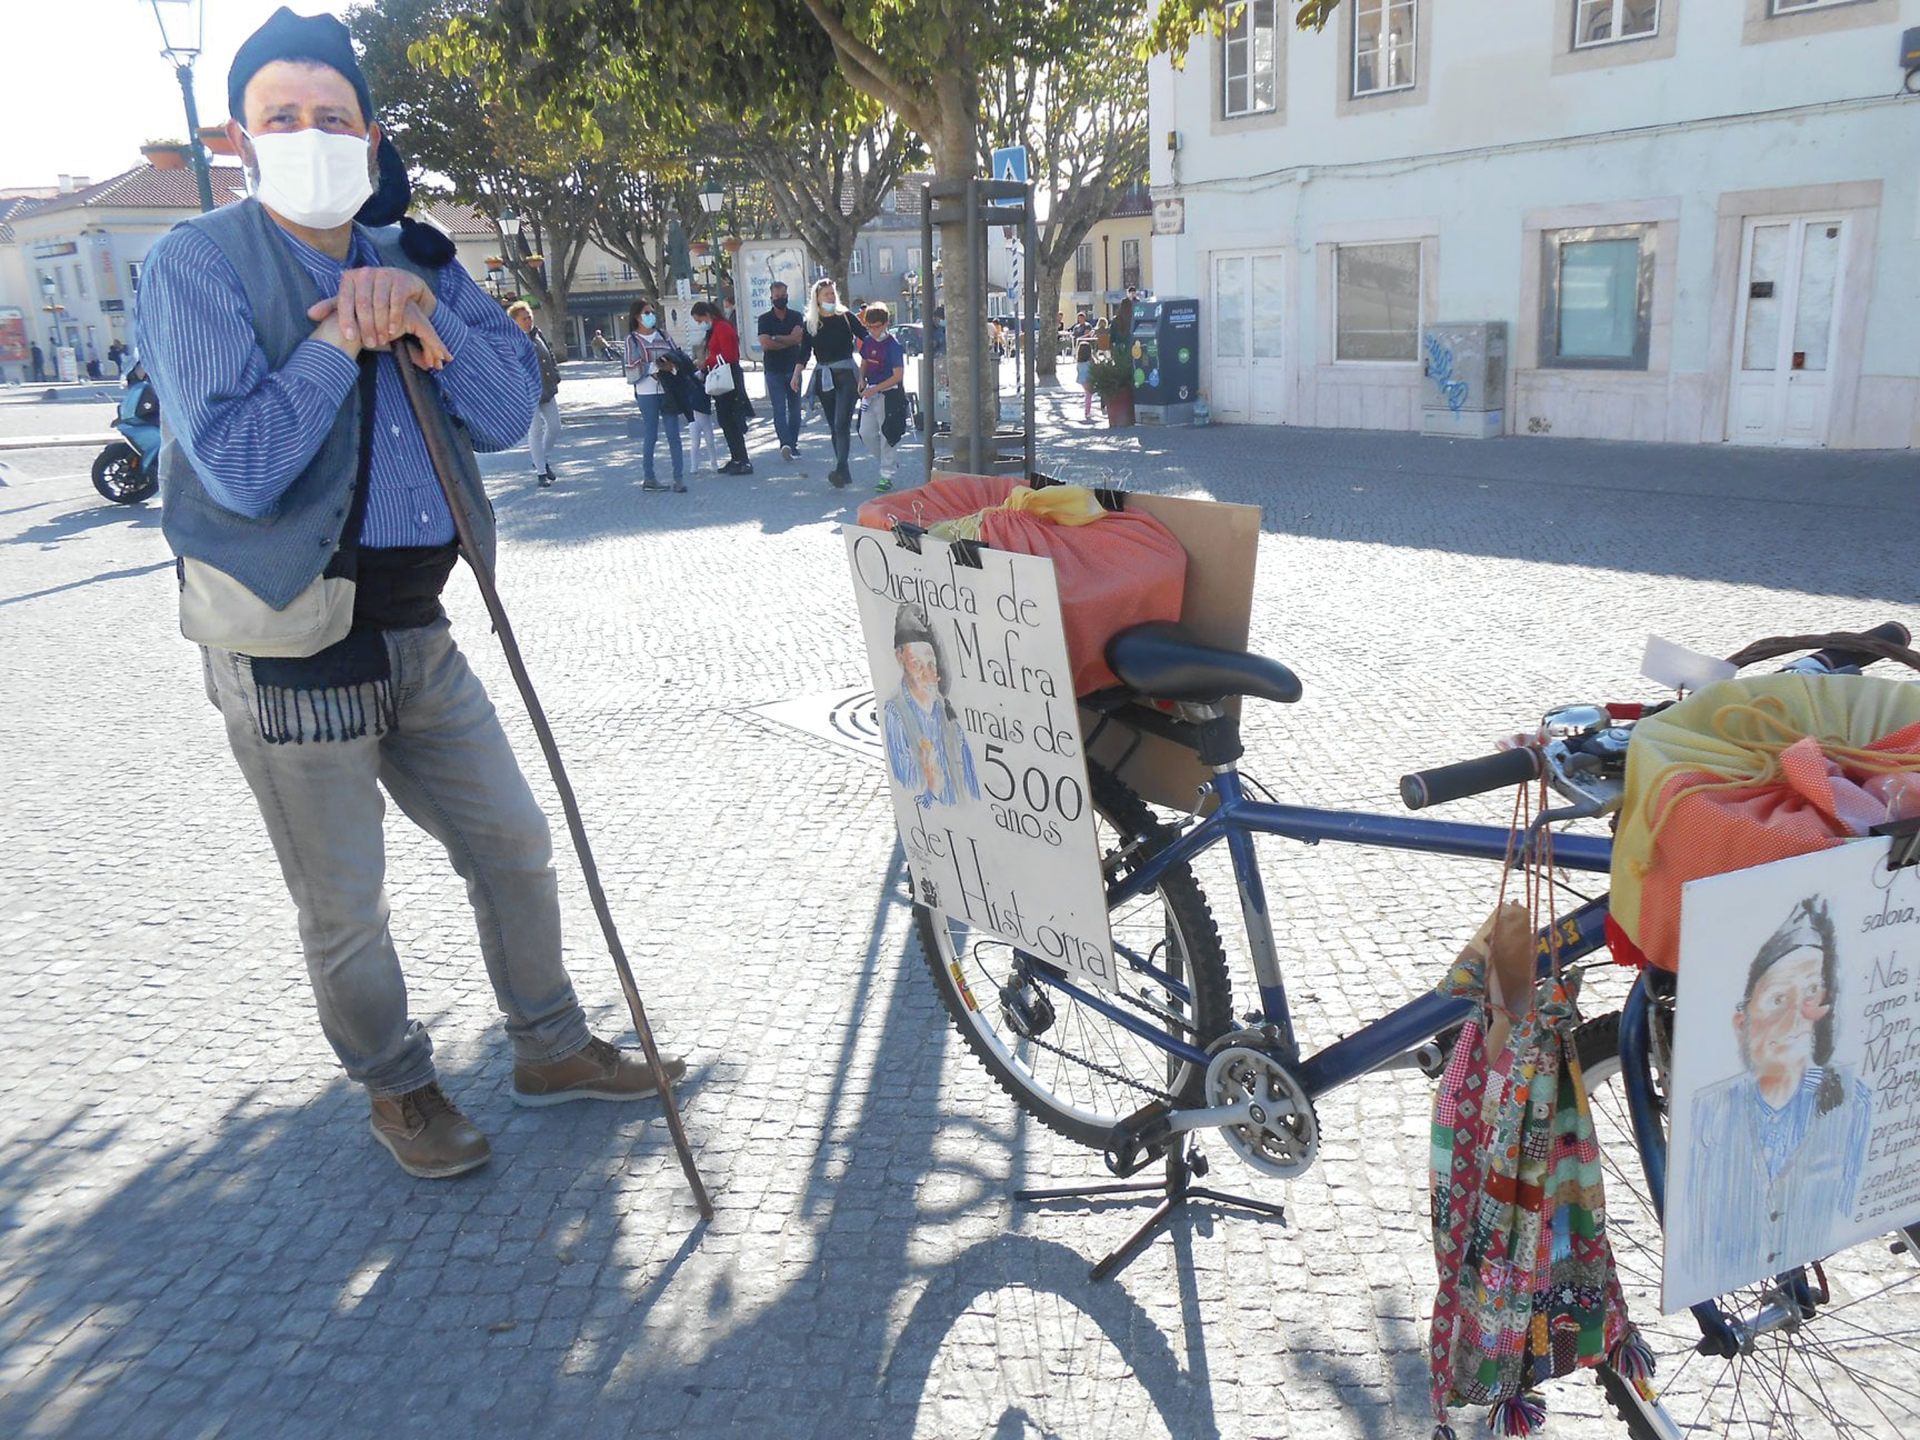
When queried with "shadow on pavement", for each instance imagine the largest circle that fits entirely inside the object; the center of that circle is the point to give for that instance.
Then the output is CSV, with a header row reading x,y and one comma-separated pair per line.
x,y
273,1273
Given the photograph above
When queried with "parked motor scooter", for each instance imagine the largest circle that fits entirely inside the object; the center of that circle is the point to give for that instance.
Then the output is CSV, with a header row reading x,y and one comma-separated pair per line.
x,y
128,470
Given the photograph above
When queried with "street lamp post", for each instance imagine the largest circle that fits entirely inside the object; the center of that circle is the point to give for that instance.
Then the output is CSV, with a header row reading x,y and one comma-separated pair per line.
x,y
712,197
54,310
180,45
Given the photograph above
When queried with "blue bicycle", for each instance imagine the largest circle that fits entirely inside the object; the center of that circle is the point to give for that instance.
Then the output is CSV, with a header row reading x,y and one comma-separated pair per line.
x,y
1825,1351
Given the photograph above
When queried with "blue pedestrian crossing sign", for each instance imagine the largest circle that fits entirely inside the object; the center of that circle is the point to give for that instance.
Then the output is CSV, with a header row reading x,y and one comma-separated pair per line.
x,y
1010,164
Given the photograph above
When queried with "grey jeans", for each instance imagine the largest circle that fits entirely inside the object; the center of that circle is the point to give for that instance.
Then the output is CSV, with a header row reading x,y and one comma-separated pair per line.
x,y
448,765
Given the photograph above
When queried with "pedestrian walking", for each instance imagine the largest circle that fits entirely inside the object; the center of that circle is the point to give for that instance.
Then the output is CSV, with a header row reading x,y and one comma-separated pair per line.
x,y
700,429
545,430
729,406
116,353
1083,368
648,357
39,362
883,395
278,507
783,351
831,337
600,348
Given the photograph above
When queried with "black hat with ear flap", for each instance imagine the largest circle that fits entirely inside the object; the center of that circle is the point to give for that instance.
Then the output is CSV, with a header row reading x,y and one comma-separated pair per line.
x,y
320,39
388,206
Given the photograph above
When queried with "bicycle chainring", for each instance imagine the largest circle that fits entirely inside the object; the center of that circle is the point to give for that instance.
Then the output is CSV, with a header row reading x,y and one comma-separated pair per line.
x,y
1282,1138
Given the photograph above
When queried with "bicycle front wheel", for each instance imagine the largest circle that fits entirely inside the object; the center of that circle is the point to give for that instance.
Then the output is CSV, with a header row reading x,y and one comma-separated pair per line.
x,y
1850,1370
1073,1068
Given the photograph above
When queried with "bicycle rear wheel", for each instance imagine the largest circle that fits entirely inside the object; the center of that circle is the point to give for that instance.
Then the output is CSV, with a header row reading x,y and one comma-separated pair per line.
x,y
1850,1371
1072,1068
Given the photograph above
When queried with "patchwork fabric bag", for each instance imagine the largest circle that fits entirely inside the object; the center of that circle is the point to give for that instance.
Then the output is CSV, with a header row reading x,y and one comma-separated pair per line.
x,y
1528,1290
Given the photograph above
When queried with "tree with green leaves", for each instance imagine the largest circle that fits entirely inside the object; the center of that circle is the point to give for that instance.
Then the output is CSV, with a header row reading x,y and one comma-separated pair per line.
x,y
489,147
1085,128
921,62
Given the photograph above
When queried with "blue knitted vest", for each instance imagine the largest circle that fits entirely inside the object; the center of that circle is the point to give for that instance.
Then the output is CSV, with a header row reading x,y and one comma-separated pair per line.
x,y
278,555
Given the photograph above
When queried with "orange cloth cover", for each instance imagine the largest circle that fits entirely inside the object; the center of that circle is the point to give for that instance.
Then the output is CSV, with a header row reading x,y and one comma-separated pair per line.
x,y
1124,569
1751,771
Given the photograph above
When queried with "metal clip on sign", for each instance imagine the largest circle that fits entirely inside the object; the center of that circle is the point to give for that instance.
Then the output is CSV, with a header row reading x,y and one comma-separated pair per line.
x,y
414,380
1905,834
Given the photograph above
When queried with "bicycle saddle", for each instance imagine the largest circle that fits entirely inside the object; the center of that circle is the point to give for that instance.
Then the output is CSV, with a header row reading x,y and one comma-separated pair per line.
x,y
1162,660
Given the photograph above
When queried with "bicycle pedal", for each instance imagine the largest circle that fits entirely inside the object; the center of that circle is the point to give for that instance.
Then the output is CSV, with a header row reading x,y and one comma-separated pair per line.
x,y
1142,1138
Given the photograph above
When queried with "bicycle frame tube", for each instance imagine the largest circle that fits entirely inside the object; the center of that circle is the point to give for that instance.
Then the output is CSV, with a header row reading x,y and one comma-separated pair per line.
x,y
1236,821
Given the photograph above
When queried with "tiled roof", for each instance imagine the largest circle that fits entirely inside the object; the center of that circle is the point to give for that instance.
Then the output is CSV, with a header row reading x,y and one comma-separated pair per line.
x,y
145,188
460,221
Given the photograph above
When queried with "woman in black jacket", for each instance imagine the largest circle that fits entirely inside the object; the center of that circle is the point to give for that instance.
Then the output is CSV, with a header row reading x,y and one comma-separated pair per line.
x,y
831,332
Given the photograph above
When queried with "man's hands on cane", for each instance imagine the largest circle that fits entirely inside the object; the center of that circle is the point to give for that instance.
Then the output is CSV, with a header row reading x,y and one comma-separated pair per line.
x,y
375,307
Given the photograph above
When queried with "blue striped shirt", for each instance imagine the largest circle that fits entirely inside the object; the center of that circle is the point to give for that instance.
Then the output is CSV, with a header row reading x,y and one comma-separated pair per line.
x,y
249,431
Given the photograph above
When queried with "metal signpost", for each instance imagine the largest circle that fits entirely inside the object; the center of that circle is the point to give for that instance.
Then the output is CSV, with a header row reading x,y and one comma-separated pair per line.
x,y
977,204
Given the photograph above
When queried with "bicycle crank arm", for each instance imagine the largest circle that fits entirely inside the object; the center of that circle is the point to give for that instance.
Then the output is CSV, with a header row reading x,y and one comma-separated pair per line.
x,y
1213,1117
1148,1133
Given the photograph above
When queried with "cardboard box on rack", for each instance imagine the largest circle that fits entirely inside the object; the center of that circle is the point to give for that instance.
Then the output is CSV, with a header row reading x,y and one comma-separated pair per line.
x,y
1222,542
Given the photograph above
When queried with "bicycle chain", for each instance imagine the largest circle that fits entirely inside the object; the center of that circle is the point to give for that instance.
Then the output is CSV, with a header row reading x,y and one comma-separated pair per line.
x,y
1102,1070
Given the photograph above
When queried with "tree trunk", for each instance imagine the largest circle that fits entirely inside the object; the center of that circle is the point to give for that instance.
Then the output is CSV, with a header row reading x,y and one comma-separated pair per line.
x,y
975,405
1045,358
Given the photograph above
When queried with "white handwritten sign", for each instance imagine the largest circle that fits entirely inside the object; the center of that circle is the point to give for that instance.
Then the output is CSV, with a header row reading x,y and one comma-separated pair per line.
x,y
975,700
1796,1068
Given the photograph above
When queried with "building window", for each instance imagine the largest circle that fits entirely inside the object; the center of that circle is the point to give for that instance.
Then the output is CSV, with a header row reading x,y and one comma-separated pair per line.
x,y
1376,303
1604,22
1129,263
606,275
1383,46
1250,70
885,258
133,275
1083,268
1596,301
913,258
1792,7
855,263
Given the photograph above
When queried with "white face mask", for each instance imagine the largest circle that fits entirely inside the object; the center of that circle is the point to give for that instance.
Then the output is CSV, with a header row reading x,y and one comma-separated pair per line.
x,y
313,178
701,327
827,307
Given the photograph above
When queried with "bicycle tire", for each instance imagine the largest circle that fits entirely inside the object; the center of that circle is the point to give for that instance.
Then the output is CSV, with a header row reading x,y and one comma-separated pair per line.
x,y
1083,1073
1841,1374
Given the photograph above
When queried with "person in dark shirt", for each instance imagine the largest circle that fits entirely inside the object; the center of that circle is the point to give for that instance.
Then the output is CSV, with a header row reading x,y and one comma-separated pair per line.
x,y
784,350
831,336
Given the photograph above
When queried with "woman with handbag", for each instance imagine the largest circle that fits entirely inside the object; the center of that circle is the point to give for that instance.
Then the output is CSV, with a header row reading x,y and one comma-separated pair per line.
x,y
724,383
648,357
833,336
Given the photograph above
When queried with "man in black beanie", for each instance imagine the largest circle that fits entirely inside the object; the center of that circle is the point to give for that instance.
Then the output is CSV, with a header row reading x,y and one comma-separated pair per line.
x,y
313,542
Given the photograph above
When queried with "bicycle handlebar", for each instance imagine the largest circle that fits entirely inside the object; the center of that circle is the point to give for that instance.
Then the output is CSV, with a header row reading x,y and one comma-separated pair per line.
x,y
1498,771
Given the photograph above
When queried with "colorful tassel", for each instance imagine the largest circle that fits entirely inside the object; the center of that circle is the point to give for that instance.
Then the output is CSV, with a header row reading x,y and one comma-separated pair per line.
x,y
1517,1415
1632,1359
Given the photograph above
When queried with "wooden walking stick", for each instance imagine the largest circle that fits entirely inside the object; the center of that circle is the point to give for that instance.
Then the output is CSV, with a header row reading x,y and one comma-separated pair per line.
x,y
414,379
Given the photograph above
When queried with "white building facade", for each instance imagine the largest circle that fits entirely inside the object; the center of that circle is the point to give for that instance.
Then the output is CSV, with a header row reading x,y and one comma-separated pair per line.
x,y
1699,220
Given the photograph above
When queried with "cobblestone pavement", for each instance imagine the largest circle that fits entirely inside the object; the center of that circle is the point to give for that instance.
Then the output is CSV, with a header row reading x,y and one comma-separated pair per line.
x,y
201,1239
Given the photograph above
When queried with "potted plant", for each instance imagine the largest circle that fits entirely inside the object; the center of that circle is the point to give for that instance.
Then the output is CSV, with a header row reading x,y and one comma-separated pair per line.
x,y
732,244
1112,381
166,154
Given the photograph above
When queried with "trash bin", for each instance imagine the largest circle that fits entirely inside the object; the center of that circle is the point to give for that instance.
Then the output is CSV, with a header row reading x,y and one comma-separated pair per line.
x,y
1166,360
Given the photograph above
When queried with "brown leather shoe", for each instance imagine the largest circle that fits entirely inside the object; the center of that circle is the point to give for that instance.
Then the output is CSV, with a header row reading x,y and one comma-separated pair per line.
x,y
600,1071
427,1134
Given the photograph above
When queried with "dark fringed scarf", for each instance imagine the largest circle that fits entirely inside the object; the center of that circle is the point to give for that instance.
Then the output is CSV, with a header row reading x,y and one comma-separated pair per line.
x,y
343,693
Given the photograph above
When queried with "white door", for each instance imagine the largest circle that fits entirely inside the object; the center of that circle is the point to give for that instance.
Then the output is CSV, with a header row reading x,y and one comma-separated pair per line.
x,y
1784,330
1248,383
